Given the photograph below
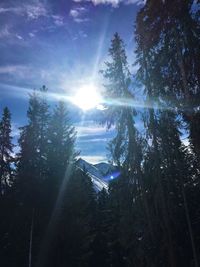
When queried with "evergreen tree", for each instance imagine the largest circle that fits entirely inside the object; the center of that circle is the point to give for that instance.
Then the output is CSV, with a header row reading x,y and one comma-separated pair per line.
x,y
167,53
60,166
60,158
118,113
174,175
168,49
32,159
43,121
6,152
101,242
6,181
127,147
74,234
61,139
31,175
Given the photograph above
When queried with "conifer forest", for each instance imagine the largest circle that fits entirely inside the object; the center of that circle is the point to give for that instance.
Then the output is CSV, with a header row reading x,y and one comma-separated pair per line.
x,y
149,214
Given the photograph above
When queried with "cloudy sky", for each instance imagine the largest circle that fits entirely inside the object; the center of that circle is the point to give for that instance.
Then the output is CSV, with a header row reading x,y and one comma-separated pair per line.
x,y
62,44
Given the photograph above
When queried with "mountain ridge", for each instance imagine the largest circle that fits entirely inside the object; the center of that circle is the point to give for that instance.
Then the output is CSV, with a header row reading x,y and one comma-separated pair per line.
x,y
100,173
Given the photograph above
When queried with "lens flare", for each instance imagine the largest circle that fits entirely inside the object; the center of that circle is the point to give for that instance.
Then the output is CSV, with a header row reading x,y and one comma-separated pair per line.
x,y
87,98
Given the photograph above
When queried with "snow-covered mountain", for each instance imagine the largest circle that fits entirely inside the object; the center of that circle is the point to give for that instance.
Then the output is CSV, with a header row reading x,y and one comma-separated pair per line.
x,y
106,170
97,173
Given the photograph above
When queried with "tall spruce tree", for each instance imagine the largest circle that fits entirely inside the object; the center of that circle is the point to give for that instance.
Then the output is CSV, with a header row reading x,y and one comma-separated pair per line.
x,y
174,178
118,85
6,182
101,242
168,52
43,120
61,139
126,150
33,142
31,175
61,152
176,175
60,166
74,234
169,39
6,152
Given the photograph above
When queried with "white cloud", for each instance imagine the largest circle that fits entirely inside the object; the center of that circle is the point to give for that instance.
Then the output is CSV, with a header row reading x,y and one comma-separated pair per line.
x,y
31,34
94,159
138,2
114,3
80,20
7,32
80,34
58,20
32,10
35,11
16,10
78,14
94,140
19,37
83,34
89,129
74,13
11,69
4,31
15,130
14,91
21,72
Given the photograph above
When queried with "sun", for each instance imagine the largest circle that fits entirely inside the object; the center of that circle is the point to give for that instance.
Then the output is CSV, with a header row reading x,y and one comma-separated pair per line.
x,y
87,98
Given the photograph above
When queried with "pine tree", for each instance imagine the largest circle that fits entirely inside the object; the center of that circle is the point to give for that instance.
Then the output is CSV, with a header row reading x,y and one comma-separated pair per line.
x,y
167,53
168,39
33,141
61,139
6,182
6,152
74,234
101,243
117,91
122,229
61,151
43,121
31,175
127,147
175,171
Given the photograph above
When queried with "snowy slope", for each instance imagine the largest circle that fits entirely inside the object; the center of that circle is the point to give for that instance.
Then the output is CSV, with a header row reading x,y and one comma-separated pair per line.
x,y
105,168
94,173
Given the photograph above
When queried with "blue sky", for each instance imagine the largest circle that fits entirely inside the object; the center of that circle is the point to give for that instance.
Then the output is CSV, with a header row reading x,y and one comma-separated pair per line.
x,y
62,44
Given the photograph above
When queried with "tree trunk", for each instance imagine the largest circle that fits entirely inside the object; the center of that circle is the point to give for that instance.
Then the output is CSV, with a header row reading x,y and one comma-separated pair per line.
x,y
165,215
31,241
